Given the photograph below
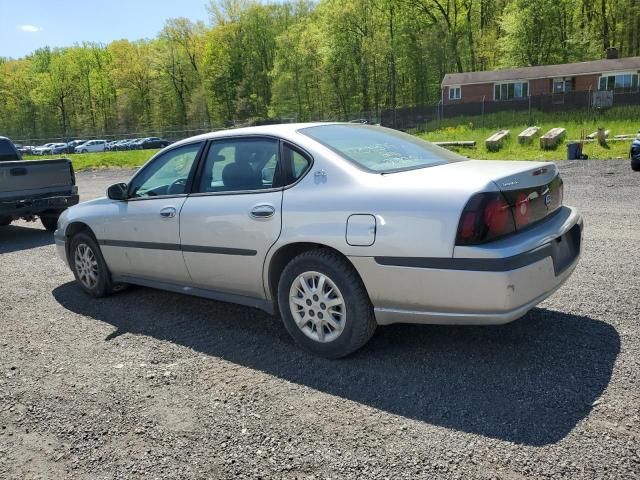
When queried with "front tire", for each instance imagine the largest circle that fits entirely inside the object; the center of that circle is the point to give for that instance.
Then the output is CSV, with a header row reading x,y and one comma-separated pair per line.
x,y
635,164
324,304
89,267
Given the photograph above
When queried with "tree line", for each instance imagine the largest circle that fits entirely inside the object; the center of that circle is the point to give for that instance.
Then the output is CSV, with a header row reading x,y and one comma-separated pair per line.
x,y
303,60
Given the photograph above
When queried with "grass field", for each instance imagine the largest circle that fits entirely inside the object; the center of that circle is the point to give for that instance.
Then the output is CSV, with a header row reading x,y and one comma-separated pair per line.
x,y
82,161
621,120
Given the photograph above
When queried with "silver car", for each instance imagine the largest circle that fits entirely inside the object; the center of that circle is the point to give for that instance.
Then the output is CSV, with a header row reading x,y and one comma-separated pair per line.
x,y
336,227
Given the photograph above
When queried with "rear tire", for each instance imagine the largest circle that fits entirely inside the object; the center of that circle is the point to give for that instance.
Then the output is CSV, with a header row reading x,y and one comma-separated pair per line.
x,y
50,222
635,164
89,267
4,221
324,304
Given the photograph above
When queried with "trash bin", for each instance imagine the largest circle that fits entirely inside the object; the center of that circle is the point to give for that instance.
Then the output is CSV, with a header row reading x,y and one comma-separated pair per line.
x,y
574,150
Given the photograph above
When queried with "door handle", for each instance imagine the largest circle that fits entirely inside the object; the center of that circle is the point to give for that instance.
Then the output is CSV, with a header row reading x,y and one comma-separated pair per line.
x,y
168,212
263,211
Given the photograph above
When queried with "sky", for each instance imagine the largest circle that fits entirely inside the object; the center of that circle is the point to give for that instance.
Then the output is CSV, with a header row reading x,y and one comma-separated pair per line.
x,y
26,25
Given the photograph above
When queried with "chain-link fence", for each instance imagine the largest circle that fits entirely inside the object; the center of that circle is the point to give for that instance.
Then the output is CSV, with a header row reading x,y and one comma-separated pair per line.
x,y
580,102
402,118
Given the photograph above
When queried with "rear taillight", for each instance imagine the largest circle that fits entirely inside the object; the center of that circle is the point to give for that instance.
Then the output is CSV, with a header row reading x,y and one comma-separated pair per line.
x,y
491,215
487,216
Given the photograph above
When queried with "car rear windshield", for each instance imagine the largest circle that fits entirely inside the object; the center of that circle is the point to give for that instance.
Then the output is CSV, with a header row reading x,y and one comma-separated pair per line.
x,y
7,152
379,149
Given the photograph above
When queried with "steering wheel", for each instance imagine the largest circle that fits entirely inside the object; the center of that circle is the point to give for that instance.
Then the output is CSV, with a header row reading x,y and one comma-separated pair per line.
x,y
177,187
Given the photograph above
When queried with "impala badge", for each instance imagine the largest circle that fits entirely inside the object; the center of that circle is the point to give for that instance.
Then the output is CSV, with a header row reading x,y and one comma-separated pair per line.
x,y
510,184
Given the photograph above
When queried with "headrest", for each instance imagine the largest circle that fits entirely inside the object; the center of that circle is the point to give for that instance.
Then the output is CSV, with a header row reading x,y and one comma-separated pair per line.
x,y
240,176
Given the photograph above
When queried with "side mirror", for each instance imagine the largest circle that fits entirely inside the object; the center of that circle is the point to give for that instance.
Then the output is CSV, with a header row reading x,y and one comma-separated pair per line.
x,y
117,191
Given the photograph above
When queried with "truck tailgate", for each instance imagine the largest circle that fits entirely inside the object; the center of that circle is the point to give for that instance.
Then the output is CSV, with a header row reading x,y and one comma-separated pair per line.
x,y
35,177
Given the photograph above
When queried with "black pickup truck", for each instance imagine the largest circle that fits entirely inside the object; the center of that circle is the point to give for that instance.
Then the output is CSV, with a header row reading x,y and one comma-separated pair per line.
x,y
34,188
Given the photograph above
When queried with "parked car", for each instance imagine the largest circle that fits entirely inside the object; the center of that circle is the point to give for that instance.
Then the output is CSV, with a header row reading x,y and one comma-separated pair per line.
x,y
120,144
338,227
128,144
58,148
134,144
71,146
43,149
111,145
151,142
24,149
91,146
634,155
34,188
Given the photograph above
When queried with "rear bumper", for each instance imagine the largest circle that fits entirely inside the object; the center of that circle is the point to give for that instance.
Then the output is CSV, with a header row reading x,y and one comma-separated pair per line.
x,y
476,290
33,206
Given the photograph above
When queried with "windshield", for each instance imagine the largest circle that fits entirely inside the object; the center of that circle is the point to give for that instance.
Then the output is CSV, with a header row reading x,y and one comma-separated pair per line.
x,y
379,149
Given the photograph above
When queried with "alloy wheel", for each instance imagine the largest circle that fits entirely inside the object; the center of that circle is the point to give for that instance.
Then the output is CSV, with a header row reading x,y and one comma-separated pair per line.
x,y
86,265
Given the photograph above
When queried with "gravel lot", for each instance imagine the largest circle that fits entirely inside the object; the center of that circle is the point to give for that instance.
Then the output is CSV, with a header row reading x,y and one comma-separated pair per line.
x,y
167,386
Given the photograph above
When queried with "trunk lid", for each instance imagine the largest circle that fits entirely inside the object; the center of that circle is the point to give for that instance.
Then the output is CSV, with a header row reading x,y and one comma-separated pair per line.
x,y
531,190
35,177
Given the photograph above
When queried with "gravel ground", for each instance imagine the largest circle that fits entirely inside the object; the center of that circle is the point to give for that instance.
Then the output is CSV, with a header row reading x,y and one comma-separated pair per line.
x,y
147,383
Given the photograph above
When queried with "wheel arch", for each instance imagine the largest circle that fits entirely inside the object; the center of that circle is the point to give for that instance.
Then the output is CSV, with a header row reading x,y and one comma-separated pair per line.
x,y
281,258
73,229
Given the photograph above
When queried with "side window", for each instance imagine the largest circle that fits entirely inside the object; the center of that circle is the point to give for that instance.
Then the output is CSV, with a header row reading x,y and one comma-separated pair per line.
x,y
166,175
297,161
240,164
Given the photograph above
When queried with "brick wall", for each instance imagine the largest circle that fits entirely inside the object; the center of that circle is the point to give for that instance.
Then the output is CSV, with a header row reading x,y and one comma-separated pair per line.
x,y
586,82
538,86
471,93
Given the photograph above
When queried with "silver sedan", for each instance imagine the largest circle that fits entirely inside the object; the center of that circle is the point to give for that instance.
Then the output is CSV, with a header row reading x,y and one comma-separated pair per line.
x,y
337,228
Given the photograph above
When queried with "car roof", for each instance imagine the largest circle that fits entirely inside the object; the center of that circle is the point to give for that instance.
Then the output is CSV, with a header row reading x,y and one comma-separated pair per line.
x,y
278,130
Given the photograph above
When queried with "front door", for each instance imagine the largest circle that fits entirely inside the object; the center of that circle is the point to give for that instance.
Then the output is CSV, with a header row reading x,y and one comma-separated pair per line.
x,y
142,238
234,215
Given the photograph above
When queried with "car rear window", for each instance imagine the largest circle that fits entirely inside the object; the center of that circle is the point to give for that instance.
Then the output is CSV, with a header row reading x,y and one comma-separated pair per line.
x,y
7,152
379,149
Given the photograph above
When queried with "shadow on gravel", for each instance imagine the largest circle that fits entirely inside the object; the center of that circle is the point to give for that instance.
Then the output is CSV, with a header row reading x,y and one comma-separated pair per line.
x,y
14,238
529,382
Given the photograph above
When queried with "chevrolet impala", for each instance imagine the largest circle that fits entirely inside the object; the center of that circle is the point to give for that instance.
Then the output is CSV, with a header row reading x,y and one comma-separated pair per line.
x,y
335,227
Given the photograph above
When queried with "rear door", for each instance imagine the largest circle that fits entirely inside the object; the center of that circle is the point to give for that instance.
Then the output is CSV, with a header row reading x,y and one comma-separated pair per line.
x,y
233,216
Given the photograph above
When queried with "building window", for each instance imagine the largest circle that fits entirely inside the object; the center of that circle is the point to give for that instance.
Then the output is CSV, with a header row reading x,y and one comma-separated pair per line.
x,y
562,85
455,93
620,82
510,91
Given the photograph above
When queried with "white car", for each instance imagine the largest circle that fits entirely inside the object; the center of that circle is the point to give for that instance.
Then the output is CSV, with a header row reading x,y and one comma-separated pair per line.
x,y
336,227
43,149
92,146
